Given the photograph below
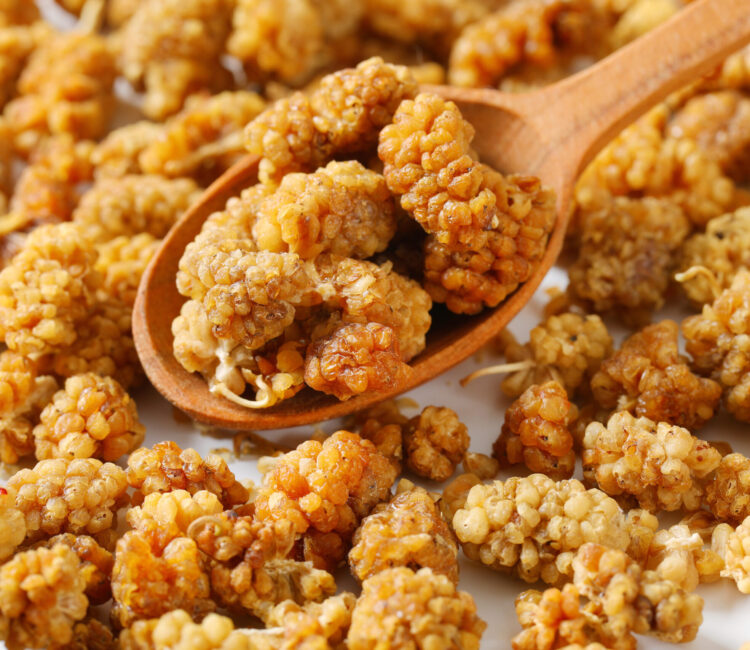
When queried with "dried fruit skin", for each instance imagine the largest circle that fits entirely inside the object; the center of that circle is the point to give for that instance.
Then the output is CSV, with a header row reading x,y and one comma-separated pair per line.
x,y
435,442
79,496
660,464
408,531
536,432
41,597
533,526
166,467
446,617
728,494
343,115
626,253
722,249
718,339
93,417
648,376
355,359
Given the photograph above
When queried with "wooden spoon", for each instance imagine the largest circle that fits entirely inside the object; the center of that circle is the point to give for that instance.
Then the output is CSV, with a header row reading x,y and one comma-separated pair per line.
x,y
551,133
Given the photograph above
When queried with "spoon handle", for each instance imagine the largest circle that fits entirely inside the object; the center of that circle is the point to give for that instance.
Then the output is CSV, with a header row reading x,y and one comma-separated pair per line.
x,y
599,102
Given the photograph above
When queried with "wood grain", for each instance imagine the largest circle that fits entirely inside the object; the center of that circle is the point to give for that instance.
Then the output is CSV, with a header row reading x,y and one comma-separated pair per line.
x,y
551,133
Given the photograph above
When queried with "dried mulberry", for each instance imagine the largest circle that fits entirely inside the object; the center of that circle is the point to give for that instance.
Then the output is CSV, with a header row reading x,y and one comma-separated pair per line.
x,y
325,489
728,493
78,496
660,464
649,376
435,442
355,359
536,432
732,545
719,342
130,205
172,48
13,528
710,260
66,87
343,115
533,526
626,253
166,467
409,532
439,615
118,153
121,262
41,597
383,425
47,290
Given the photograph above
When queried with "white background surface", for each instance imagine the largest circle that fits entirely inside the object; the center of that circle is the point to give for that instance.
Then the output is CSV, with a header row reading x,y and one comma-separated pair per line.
x,y
481,406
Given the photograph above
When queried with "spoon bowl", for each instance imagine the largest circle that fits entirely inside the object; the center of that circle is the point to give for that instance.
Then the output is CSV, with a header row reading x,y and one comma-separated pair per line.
x,y
550,133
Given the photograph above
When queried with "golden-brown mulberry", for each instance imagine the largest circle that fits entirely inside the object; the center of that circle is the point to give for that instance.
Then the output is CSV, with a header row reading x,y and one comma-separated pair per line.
x,y
78,496
435,442
720,123
660,464
122,261
728,493
41,597
96,564
533,526
66,87
567,348
408,531
24,392
47,290
343,115
204,138
719,342
649,376
536,432
133,204
16,44
166,467
150,582
626,253
257,589
343,208
292,39
327,488
722,249
626,599
118,153
172,48
91,634
555,619
17,12
383,425
355,359
439,615
104,346
527,38
13,528
482,466
483,224
93,417
734,547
